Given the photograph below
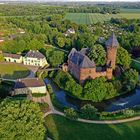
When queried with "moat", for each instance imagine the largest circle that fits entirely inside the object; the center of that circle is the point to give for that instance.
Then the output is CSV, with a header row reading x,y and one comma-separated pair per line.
x,y
117,103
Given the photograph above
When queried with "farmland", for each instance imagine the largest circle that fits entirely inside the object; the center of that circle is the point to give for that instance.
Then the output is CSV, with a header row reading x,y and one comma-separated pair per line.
x,y
90,18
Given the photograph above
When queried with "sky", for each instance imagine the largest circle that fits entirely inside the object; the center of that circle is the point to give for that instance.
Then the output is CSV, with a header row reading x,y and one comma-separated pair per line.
x,y
75,0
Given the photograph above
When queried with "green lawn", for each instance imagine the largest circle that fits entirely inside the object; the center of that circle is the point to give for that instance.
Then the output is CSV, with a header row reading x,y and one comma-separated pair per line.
x,y
89,18
13,71
60,128
125,10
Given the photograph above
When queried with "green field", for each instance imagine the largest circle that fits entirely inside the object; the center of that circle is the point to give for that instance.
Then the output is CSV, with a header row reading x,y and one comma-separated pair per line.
x,y
90,18
13,71
125,10
60,128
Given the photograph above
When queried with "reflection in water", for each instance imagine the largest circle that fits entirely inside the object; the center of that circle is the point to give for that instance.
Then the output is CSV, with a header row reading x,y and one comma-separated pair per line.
x,y
114,104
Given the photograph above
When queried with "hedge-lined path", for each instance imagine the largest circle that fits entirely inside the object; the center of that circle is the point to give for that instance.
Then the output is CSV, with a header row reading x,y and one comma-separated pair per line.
x,y
54,111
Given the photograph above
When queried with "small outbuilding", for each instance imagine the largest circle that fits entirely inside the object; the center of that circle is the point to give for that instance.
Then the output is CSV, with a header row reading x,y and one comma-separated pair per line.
x,y
29,85
16,58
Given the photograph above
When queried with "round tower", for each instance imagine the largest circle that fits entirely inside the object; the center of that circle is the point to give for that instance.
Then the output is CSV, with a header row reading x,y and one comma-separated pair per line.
x,y
112,46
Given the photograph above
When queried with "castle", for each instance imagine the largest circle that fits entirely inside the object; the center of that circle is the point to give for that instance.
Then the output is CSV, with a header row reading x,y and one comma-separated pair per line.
x,y
82,68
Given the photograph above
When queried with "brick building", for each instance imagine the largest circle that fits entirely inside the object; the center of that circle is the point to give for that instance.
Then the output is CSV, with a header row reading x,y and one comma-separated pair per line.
x,y
82,68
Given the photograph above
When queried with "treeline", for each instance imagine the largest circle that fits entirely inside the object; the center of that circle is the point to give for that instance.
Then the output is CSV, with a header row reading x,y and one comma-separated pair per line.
x,y
33,9
135,5
95,9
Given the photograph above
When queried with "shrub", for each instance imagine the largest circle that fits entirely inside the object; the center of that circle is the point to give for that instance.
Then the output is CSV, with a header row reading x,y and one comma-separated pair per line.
x,y
128,112
71,114
44,75
1,58
138,84
89,112
49,88
39,94
41,74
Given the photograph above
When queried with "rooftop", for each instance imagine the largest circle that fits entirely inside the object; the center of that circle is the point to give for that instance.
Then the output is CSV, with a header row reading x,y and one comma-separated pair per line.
x,y
29,82
16,56
80,59
35,54
112,41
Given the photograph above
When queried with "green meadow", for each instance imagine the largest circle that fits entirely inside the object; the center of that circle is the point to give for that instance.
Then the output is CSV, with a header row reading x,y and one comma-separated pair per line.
x,y
90,18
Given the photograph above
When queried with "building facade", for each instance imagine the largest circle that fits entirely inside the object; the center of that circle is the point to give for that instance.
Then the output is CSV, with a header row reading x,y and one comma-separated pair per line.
x,y
35,58
82,68
32,58
14,58
29,86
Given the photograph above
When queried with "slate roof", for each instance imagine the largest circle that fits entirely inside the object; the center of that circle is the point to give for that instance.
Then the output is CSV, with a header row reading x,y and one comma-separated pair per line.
x,y
80,59
85,50
112,41
35,54
16,56
29,82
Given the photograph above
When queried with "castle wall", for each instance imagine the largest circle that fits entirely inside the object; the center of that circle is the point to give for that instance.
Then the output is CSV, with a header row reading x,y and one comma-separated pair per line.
x,y
88,73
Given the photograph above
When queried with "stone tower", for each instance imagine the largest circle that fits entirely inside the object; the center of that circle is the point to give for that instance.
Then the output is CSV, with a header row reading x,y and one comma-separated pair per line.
x,y
112,46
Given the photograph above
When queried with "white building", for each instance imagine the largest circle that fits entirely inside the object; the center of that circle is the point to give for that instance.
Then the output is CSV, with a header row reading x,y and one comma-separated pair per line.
x,y
35,58
16,58
29,85
69,31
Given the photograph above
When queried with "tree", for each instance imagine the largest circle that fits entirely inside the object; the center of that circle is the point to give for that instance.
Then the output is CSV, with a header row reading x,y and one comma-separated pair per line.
x,y
20,120
98,55
1,57
60,41
104,91
64,80
55,57
130,79
86,40
123,58
88,111
71,114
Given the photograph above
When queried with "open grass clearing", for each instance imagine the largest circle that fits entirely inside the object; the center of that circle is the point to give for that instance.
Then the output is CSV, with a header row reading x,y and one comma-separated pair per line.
x,y
13,71
90,18
60,128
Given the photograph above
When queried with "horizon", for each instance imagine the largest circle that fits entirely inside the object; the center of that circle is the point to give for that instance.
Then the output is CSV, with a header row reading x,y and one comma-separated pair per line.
x,y
70,1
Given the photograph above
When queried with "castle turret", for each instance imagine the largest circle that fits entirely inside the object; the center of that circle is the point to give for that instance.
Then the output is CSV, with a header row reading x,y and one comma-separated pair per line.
x,y
112,46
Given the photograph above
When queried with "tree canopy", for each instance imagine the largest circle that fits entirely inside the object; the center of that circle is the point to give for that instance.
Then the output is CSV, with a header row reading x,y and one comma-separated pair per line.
x,y
123,58
20,120
105,89
98,55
